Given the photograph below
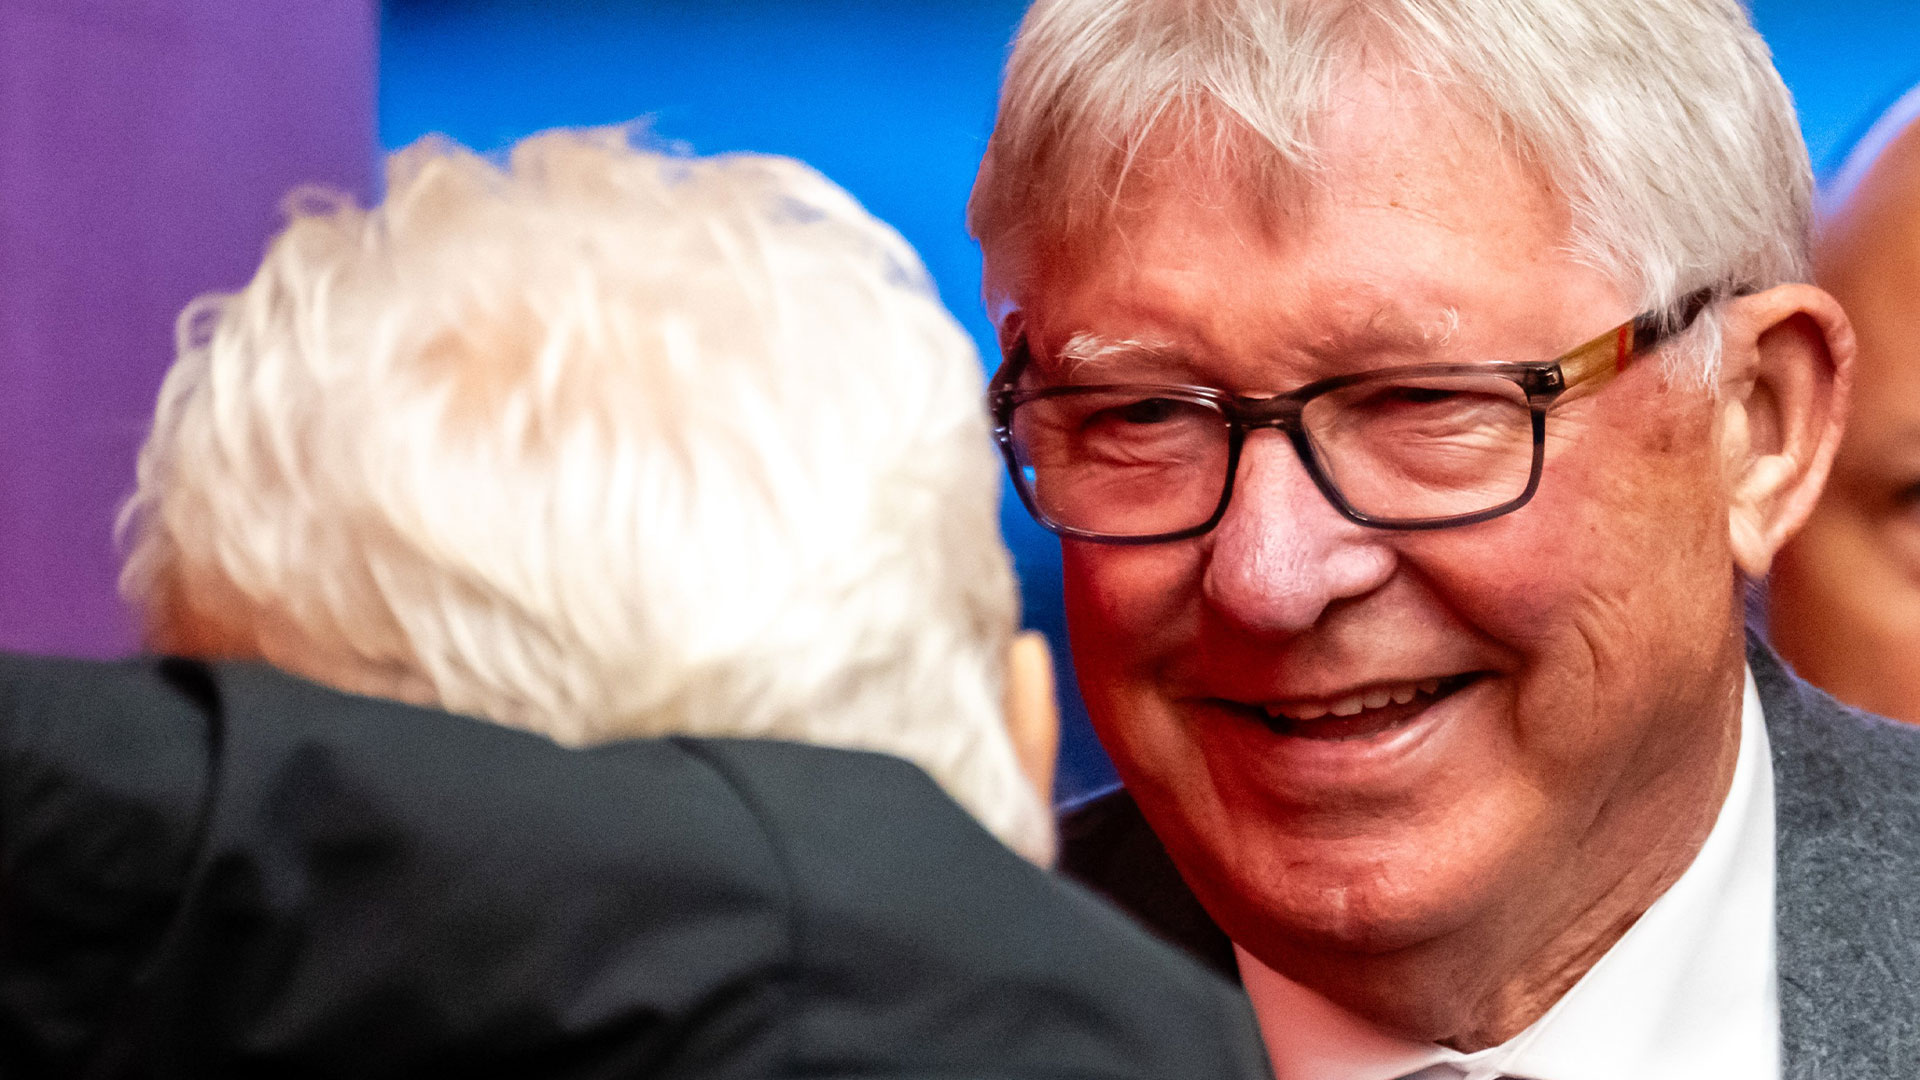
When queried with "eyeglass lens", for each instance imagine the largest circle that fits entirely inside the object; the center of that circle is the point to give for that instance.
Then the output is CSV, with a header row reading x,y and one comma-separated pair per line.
x,y
1120,461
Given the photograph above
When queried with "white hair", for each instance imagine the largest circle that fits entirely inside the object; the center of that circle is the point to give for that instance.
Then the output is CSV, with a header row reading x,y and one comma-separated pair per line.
x,y
1662,122
602,443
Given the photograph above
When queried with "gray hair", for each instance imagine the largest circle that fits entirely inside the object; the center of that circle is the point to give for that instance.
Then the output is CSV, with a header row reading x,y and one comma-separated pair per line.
x,y
1662,122
602,443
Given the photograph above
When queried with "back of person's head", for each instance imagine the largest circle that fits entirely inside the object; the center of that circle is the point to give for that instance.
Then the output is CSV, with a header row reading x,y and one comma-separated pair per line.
x,y
602,442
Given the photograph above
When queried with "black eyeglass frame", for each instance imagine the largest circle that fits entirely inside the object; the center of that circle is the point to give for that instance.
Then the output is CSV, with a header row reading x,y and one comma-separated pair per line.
x,y
1543,382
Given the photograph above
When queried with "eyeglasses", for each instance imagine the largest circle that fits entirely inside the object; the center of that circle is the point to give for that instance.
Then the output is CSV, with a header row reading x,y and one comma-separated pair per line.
x,y
1426,446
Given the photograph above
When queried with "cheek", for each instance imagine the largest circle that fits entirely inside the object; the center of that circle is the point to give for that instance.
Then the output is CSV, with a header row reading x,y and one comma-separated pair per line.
x,y
1130,611
1823,576
1126,607
1629,518
1602,592
1844,606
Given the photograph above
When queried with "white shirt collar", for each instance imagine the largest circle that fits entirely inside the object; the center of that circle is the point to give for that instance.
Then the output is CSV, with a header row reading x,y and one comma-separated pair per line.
x,y
1690,992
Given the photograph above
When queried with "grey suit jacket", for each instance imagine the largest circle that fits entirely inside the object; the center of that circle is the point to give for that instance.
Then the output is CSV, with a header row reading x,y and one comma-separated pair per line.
x,y
1847,803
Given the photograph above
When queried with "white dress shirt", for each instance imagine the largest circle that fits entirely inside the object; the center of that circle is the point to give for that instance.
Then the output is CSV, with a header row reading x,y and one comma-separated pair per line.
x,y
1690,992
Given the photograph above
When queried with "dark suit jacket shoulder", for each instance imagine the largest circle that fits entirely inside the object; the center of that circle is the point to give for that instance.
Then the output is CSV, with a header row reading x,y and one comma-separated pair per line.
x,y
1106,845
1847,810
223,870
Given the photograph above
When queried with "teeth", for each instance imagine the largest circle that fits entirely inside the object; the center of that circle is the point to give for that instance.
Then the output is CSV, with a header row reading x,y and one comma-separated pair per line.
x,y
1351,705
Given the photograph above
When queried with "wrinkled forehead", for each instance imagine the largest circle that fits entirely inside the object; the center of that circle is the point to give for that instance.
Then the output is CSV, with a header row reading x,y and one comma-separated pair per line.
x,y
1412,212
1383,141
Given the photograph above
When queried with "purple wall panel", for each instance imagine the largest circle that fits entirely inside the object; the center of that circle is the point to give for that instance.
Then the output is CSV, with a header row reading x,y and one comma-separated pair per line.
x,y
145,147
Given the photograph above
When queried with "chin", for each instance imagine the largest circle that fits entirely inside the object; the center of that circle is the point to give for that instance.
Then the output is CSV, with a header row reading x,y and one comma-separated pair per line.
x,y
1370,921
1351,897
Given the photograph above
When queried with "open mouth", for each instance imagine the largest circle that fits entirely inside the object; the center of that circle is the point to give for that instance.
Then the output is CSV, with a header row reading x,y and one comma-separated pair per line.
x,y
1363,713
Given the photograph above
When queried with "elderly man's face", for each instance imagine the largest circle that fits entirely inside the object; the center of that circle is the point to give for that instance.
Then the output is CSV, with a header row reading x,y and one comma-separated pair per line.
x,y
1557,683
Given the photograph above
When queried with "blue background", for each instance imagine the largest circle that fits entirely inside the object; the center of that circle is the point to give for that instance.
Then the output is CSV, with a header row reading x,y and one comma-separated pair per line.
x,y
893,99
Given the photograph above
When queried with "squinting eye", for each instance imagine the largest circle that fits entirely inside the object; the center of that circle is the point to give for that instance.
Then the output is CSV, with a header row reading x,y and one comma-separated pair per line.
x,y
1419,395
1147,411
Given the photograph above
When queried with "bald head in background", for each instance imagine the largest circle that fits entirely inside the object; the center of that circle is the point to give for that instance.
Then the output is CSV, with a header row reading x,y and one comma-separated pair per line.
x,y
1845,593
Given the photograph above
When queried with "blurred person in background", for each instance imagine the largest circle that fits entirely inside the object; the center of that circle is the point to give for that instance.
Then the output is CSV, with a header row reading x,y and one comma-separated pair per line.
x,y
1416,387
604,444
678,458
1844,596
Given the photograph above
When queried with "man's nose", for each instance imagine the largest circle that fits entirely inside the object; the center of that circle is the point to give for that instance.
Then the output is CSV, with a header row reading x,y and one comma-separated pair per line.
x,y
1283,554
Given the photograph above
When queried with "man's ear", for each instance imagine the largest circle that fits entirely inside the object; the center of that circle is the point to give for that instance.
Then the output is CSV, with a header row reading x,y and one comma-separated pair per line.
x,y
1786,370
1033,715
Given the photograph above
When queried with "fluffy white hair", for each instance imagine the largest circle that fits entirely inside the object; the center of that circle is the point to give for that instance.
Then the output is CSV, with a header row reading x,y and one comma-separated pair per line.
x,y
600,443
1662,122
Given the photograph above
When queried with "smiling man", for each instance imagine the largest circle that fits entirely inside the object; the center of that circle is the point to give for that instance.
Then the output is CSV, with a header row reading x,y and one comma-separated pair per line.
x,y
1415,386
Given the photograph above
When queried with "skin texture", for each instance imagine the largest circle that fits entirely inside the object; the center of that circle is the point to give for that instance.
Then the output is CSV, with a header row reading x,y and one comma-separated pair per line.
x,y
1452,877
1845,594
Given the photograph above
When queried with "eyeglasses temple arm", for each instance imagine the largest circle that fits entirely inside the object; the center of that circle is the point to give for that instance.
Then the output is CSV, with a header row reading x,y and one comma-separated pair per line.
x,y
1596,362
1014,361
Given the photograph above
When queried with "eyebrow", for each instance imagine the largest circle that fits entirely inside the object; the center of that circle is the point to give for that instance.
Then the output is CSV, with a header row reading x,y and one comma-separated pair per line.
x,y
1091,356
1387,330
1087,350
